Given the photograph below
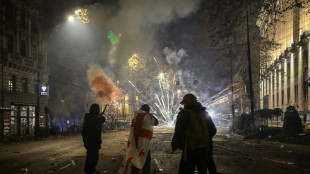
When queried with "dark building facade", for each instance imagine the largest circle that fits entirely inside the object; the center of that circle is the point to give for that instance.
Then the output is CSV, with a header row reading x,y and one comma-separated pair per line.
x,y
24,71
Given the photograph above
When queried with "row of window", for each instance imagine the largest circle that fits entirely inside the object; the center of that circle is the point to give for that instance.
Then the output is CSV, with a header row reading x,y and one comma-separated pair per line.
x,y
275,79
22,48
305,95
11,16
22,120
12,84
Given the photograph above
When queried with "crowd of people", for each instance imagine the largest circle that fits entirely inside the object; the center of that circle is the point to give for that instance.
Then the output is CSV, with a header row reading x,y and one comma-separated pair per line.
x,y
193,134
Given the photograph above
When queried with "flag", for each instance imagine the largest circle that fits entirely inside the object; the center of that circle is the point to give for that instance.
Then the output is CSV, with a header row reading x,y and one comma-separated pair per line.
x,y
140,136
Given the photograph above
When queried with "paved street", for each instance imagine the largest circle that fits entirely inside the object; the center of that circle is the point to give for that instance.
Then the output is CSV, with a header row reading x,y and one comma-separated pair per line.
x,y
64,155
232,155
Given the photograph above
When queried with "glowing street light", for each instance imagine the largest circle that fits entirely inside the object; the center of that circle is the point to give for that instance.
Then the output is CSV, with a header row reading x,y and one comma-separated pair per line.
x,y
70,18
80,14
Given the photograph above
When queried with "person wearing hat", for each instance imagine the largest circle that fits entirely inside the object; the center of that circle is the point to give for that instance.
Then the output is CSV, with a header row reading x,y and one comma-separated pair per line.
x,y
194,153
140,136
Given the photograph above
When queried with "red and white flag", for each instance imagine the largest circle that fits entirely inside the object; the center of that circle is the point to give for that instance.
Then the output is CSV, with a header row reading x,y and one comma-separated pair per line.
x,y
140,136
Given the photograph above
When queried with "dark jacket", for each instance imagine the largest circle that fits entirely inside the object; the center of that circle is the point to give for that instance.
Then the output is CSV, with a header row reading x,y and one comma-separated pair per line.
x,y
182,124
91,132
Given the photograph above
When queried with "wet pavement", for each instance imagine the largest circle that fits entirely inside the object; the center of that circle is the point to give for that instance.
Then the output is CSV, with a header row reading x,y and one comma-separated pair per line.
x,y
232,154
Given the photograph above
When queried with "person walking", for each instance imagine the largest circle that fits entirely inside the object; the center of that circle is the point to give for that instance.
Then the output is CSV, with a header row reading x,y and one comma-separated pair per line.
x,y
91,134
193,135
140,136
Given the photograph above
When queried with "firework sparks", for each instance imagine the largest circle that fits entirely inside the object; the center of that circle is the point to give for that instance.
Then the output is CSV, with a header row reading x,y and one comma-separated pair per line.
x,y
134,86
166,102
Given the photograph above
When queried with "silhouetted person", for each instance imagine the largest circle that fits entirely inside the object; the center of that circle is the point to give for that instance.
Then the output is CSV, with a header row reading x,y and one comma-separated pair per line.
x,y
91,134
193,134
140,136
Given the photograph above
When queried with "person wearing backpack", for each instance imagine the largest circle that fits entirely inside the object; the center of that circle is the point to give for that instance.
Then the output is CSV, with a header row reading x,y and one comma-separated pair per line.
x,y
193,135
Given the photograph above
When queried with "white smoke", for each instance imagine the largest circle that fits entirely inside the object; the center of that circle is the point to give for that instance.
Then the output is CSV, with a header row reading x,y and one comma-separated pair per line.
x,y
173,57
139,21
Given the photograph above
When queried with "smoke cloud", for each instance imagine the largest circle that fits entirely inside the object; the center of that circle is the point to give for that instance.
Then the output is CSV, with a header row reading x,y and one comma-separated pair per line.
x,y
101,84
138,21
173,57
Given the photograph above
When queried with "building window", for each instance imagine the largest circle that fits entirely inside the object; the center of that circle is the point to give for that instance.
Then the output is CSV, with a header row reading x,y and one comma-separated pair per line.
x,y
277,79
40,59
296,92
23,48
288,95
296,65
305,60
277,98
23,18
282,75
12,83
288,71
10,12
282,102
272,100
22,120
10,43
34,52
305,90
25,85
34,28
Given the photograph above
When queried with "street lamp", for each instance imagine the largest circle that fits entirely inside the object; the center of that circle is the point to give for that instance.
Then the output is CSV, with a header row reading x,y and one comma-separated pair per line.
x,y
80,14
70,18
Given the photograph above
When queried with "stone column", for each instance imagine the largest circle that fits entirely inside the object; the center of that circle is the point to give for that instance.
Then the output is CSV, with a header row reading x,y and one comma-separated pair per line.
x,y
271,91
292,81
275,88
308,107
261,92
300,100
280,86
285,83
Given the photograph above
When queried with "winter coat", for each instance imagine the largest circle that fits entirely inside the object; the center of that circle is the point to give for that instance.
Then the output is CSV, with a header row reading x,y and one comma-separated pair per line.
x,y
91,132
182,123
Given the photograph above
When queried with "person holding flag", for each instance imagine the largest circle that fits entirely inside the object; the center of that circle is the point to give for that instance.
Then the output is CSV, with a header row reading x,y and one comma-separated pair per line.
x,y
140,136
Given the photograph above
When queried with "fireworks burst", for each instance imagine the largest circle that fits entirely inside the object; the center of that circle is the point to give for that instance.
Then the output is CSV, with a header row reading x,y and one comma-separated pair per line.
x,y
167,99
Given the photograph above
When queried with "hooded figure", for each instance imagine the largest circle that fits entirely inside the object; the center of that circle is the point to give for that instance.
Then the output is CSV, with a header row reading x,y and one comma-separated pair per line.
x,y
91,134
195,152
140,136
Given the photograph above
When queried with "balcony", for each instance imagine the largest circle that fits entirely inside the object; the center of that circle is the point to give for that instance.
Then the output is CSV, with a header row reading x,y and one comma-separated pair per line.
x,y
16,59
29,62
22,61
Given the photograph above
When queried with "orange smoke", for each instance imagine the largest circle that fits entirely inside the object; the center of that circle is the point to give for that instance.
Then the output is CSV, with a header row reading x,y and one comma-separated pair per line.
x,y
102,84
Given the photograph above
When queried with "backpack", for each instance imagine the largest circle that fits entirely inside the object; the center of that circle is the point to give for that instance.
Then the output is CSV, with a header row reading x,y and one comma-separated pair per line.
x,y
197,133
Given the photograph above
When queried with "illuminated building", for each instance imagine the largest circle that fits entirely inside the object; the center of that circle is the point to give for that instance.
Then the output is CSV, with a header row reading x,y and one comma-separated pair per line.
x,y
284,71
